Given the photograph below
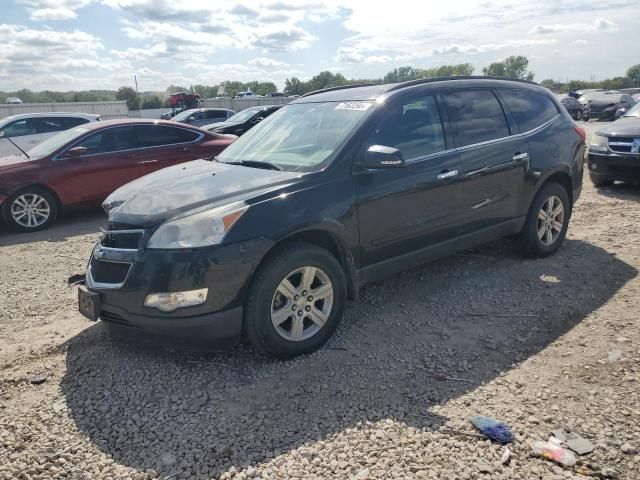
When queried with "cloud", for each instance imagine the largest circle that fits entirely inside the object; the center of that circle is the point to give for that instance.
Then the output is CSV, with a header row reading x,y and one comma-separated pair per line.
x,y
352,55
244,11
600,24
267,62
162,10
53,10
292,38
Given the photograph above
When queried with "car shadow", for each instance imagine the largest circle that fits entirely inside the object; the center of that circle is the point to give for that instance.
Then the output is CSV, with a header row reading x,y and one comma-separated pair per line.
x,y
622,191
470,316
70,225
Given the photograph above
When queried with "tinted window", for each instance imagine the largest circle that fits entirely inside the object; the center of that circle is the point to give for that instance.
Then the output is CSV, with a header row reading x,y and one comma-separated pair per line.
x,y
216,114
50,124
476,115
20,128
70,122
529,109
157,135
110,140
414,128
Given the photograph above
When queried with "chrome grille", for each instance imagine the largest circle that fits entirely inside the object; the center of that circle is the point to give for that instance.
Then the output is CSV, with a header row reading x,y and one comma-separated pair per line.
x,y
124,239
620,144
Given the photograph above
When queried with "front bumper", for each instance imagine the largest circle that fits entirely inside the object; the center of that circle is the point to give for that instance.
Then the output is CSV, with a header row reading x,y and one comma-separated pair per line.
x,y
614,167
601,114
123,279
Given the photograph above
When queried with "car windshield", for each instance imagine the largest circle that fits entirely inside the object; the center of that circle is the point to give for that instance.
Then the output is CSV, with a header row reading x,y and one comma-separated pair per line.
x,y
182,115
52,144
244,115
299,137
633,111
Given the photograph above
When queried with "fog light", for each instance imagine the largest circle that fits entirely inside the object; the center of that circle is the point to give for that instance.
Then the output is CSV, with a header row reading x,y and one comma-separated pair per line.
x,y
170,301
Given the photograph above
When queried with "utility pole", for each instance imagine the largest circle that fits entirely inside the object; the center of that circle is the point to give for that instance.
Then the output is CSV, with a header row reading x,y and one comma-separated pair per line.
x,y
135,79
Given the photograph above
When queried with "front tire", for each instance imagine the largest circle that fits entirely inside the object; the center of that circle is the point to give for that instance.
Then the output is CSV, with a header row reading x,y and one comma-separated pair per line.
x,y
578,115
547,221
30,210
296,300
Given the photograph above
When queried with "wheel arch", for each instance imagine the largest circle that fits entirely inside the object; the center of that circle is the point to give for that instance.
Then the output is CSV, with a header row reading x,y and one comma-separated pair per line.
x,y
563,178
324,238
44,187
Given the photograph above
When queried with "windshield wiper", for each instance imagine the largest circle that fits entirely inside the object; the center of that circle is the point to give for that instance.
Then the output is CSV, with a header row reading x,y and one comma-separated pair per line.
x,y
254,164
16,145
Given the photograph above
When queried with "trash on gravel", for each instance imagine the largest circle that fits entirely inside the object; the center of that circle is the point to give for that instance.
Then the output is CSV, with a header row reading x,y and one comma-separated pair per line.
x,y
59,405
554,451
573,441
506,456
39,379
493,429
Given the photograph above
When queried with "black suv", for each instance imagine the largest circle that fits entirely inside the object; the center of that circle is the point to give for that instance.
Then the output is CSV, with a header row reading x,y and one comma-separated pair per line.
x,y
242,121
337,189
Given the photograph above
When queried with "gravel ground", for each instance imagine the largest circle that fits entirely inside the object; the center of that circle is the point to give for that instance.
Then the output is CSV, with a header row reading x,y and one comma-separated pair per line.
x,y
539,344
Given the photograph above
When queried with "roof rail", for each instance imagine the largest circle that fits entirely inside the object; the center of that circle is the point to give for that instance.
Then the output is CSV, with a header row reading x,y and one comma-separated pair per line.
x,y
331,89
455,77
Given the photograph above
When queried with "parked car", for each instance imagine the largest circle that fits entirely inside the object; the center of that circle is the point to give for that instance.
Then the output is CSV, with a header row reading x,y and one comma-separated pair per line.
x,y
614,151
243,120
183,100
335,190
29,129
573,106
82,166
248,93
274,94
198,117
604,107
171,113
13,101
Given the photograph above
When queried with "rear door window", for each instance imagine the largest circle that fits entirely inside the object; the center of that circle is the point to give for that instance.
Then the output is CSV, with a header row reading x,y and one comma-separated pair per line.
x,y
528,109
70,122
159,135
50,124
476,115
211,114
413,127
110,140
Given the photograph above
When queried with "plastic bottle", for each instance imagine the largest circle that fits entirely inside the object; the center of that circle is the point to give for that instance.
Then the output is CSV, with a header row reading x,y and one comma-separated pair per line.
x,y
552,450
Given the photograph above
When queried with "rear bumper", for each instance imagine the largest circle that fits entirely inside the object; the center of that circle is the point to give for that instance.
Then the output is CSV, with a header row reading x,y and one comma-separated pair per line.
x,y
614,167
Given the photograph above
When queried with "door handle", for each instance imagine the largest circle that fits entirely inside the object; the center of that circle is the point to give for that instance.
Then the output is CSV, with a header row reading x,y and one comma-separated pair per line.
x,y
447,174
520,156
144,162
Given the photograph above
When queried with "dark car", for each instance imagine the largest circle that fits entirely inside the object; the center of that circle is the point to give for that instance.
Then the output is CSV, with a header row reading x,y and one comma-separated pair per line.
x,y
83,165
243,120
337,189
573,106
614,151
604,107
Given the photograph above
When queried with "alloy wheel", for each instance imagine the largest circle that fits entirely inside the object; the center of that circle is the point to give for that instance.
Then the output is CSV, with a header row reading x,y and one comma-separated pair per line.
x,y
550,220
302,303
30,210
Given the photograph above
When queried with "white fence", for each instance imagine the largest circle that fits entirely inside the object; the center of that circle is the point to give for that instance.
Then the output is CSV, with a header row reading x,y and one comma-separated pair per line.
x,y
106,110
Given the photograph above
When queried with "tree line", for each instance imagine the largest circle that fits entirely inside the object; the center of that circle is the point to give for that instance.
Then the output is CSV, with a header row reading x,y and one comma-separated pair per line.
x,y
514,67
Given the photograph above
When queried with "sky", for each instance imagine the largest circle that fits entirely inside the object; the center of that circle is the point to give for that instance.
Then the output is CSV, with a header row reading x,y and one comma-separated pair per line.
x,y
101,44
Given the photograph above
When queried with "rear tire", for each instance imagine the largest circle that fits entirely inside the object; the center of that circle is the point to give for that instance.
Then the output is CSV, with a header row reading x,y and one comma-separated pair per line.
x,y
282,317
546,225
600,182
578,115
30,210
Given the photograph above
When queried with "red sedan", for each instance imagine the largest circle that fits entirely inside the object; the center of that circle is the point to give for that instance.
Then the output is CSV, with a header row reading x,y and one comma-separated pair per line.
x,y
82,166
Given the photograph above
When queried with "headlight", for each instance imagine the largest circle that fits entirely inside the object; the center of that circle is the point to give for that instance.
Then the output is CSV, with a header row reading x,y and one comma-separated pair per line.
x,y
170,301
598,143
197,230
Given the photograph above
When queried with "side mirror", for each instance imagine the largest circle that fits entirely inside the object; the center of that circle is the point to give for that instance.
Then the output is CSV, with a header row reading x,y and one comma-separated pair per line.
x,y
76,152
2,134
620,112
381,156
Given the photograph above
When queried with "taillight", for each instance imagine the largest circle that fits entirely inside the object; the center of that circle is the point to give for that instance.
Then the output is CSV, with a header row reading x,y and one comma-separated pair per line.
x,y
583,135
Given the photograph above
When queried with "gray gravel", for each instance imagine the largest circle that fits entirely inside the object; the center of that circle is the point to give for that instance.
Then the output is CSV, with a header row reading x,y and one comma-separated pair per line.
x,y
539,344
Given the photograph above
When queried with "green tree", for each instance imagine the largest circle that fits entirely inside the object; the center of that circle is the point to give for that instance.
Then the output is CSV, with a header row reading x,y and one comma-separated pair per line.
x,y
634,74
514,66
130,95
152,101
496,69
293,86
547,81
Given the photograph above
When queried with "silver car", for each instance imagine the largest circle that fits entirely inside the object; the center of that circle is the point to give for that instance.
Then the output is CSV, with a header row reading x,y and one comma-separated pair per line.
x,y
29,129
203,116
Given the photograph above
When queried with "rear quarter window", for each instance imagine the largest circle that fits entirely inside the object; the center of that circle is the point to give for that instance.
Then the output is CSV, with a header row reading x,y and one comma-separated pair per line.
x,y
528,109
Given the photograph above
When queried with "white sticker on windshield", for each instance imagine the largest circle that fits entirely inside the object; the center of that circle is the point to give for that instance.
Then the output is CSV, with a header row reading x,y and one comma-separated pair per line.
x,y
359,106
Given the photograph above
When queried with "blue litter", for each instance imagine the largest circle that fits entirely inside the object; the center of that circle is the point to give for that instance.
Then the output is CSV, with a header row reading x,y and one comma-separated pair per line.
x,y
493,429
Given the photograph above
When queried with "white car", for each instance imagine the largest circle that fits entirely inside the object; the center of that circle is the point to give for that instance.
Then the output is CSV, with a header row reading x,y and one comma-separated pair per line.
x,y
29,129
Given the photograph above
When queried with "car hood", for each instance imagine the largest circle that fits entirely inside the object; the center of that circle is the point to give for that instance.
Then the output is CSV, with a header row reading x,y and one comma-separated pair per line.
x,y
192,186
603,102
624,127
12,161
